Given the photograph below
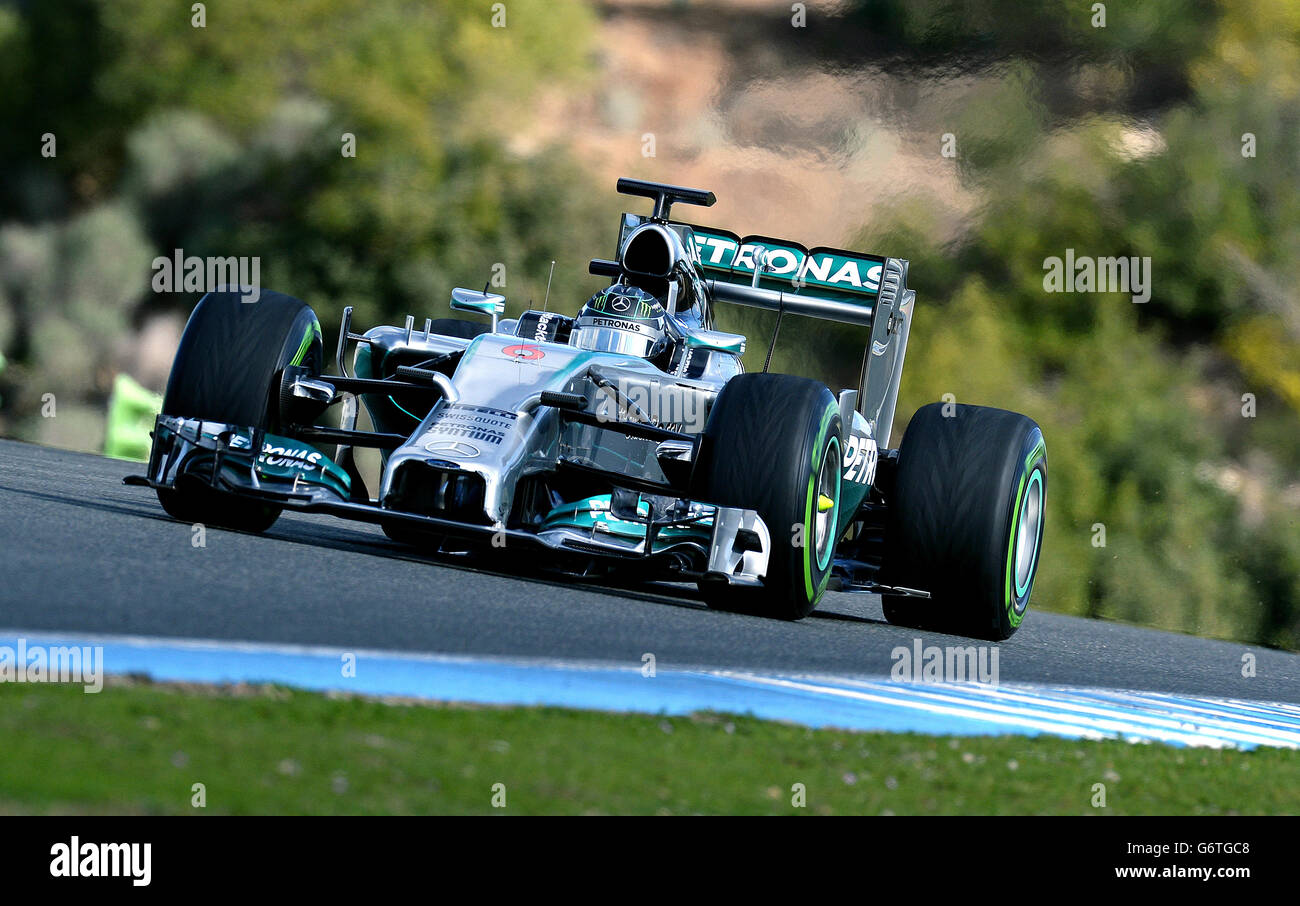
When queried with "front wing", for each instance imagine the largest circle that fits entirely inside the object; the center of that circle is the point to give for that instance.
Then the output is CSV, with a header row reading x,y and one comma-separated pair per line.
x,y
293,474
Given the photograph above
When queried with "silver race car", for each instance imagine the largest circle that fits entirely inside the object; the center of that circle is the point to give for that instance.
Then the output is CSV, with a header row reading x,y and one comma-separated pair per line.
x,y
628,438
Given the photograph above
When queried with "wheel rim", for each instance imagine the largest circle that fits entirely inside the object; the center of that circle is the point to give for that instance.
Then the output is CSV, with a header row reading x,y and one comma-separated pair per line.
x,y
828,486
1027,533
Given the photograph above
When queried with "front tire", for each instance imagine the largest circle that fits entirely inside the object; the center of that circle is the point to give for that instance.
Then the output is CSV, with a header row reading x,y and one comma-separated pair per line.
x,y
965,521
772,444
227,369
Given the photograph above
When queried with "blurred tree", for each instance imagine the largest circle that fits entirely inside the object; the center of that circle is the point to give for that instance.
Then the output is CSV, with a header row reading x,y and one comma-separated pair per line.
x,y
359,148
1141,404
1170,133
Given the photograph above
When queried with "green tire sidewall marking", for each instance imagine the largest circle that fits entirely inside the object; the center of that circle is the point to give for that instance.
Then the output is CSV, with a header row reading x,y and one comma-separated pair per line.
x,y
1035,477
313,330
1028,470
823,562
808,545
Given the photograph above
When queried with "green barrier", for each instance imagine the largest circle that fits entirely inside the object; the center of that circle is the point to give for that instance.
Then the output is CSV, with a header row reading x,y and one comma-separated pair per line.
x,y
131,412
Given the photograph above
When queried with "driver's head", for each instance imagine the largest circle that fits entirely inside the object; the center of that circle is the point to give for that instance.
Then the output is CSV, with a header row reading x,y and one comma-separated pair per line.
x,y
621,319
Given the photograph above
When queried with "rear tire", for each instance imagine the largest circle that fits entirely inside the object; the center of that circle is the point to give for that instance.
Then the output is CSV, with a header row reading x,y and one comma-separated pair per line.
x,y
966,520
227,369
772,444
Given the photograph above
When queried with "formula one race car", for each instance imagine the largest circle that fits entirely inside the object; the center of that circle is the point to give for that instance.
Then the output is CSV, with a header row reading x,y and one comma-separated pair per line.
x,y
628,438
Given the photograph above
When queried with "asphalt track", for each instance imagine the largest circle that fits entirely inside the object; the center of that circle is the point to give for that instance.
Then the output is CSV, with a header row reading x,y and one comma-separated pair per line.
x,y
81,553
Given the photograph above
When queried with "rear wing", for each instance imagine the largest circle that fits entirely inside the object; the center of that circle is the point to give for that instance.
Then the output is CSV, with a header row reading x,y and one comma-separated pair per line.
x,y
822,282
832,272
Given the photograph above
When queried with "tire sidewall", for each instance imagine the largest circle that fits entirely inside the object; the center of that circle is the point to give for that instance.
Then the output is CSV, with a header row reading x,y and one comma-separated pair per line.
x,y
807,569
953,525
764,445
1030,471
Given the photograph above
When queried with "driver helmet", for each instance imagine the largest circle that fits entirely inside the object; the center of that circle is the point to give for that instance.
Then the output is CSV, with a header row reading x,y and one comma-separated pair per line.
x,y
621,319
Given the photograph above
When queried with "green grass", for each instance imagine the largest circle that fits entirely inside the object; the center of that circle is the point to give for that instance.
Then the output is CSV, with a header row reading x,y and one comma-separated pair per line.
x,y
139,749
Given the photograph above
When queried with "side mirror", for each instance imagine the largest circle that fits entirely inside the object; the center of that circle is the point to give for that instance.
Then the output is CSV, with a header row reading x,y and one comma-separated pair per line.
x,y
491,304
717,340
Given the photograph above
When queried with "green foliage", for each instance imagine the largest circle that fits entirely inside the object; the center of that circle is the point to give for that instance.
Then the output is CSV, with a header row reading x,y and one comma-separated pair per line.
x,y
1126,139
1151,35
1141,405
230,139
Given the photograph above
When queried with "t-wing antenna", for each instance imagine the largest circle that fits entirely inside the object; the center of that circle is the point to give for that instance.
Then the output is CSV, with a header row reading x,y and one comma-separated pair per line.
x,y
665,196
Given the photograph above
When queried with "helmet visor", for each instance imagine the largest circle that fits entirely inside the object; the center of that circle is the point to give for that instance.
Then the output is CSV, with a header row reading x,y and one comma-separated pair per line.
x,y
610,339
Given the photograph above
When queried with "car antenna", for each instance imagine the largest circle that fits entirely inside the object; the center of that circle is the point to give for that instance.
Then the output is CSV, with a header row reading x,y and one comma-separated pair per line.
x,y
780,311
548,285
760,266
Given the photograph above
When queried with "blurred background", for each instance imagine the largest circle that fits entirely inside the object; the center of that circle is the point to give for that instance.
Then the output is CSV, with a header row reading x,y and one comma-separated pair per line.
x,y
976,139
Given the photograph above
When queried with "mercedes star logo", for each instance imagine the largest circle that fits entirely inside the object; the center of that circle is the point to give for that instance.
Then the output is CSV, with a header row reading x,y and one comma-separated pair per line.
x,y
453,449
